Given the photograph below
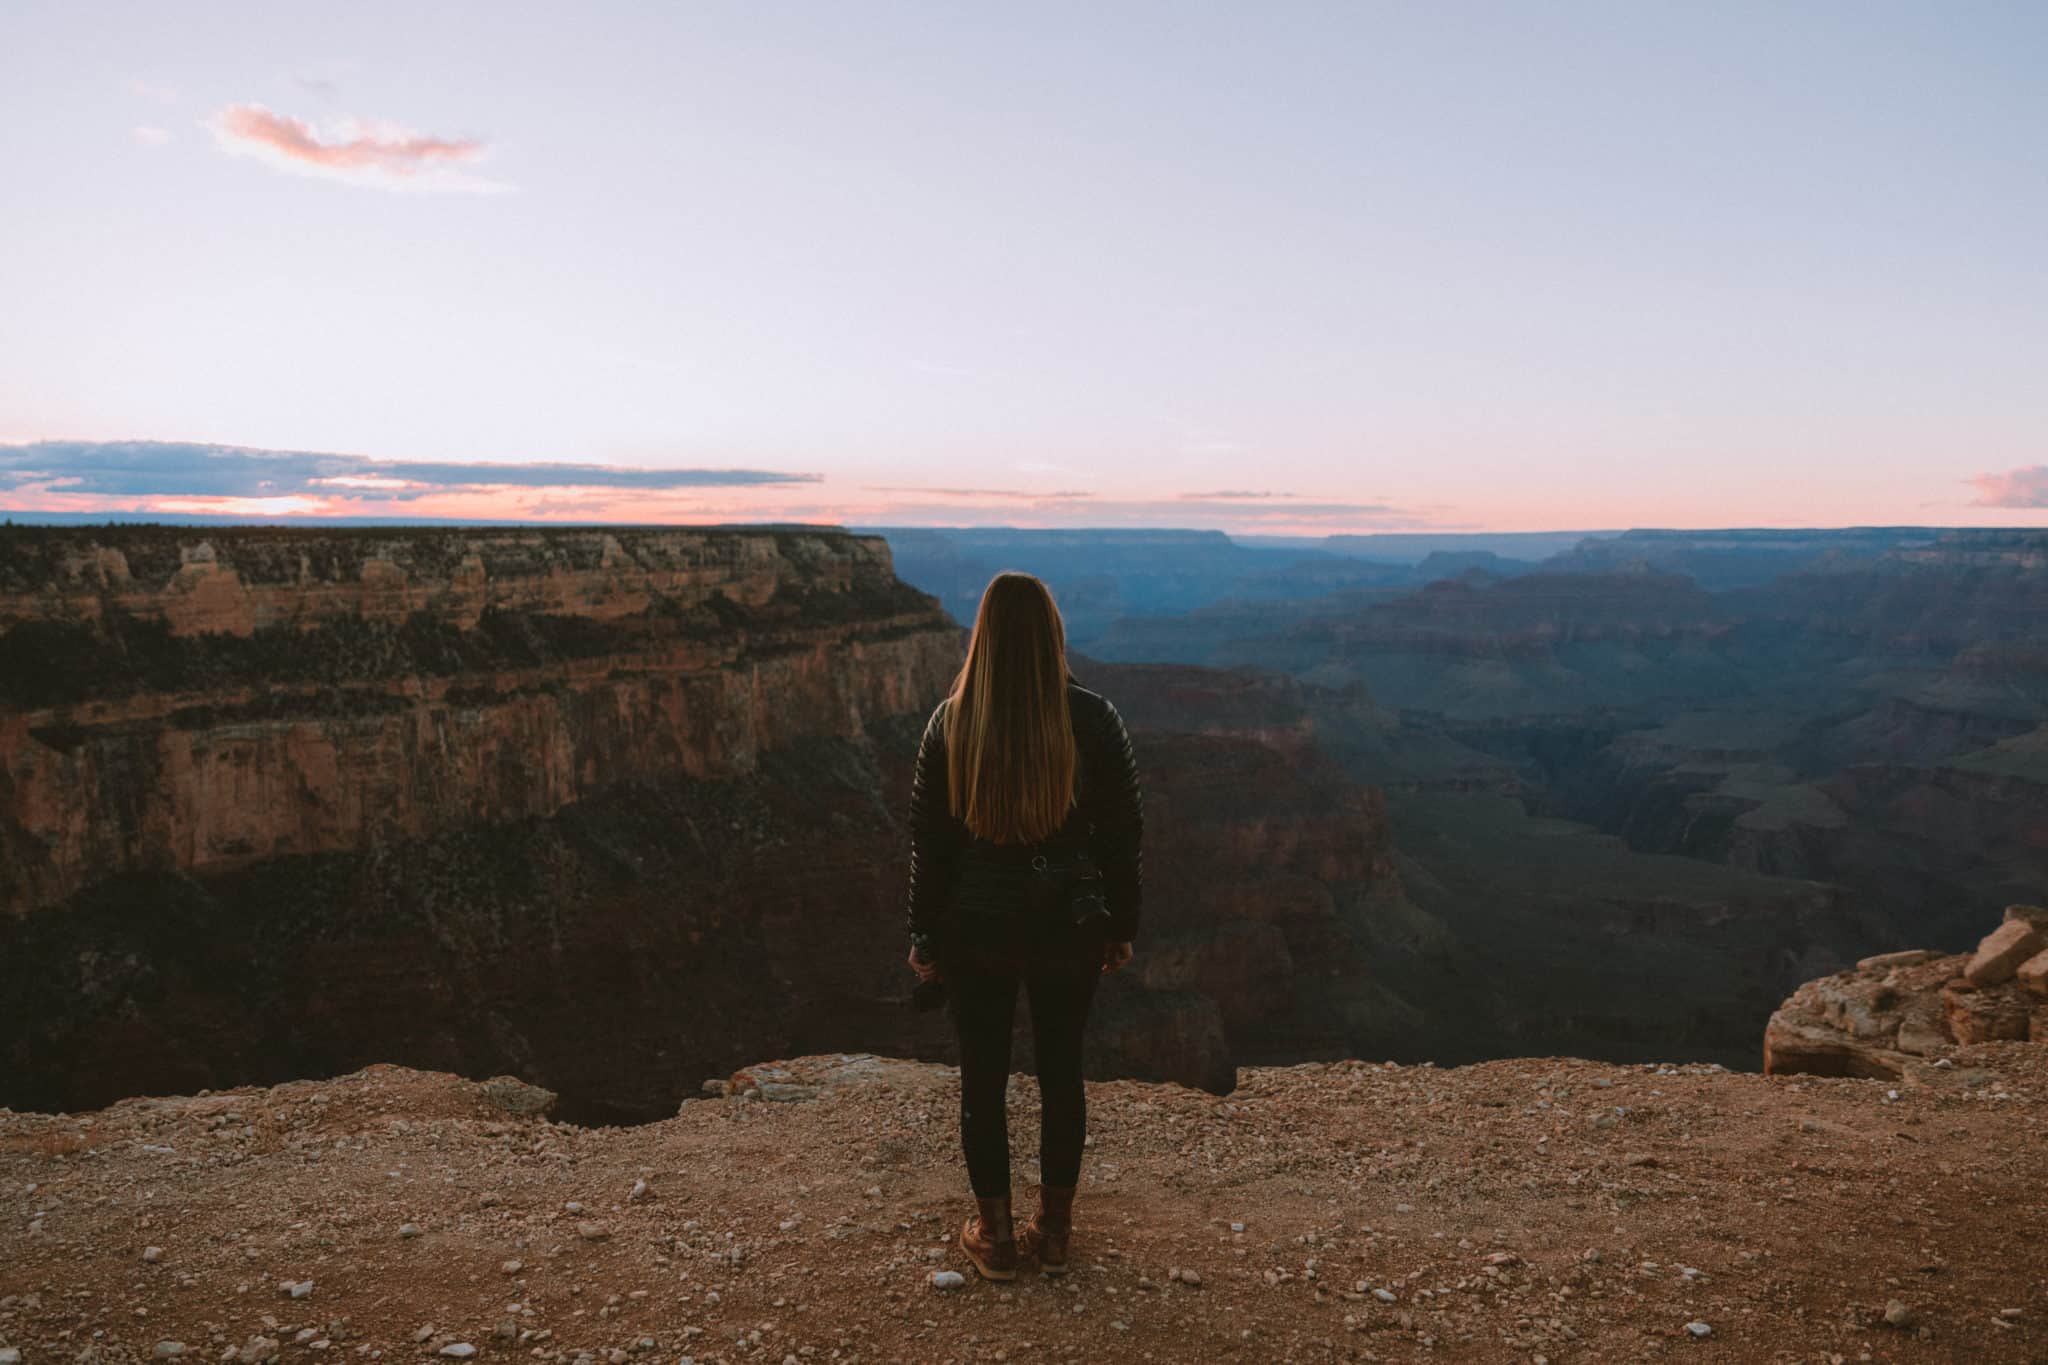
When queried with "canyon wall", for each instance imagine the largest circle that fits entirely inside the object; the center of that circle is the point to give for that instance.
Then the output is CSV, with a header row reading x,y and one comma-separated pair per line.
x,y
594,803
191,705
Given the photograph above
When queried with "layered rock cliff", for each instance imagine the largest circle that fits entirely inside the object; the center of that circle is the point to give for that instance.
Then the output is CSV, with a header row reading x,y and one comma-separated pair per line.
x,y
596,803
188,704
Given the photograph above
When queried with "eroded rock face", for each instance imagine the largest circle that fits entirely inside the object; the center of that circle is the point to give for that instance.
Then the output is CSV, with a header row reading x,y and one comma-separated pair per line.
x,y
1898,1009
607,808
192,702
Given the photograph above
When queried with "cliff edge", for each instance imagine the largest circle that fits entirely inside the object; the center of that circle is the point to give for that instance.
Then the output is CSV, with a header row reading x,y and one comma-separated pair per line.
x,y
1532,1210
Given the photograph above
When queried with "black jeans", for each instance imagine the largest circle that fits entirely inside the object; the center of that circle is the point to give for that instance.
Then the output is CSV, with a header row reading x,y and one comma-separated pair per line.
x,y
981,994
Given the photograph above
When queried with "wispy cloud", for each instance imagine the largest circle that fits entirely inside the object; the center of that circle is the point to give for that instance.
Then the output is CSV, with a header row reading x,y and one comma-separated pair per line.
x,y
150,90
149,135
378,155
1058,495
1233,495
2014,488
1279,516
160,471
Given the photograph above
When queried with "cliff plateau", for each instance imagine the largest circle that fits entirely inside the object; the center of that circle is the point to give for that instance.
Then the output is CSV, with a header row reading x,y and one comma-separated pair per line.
x,y
1510,1211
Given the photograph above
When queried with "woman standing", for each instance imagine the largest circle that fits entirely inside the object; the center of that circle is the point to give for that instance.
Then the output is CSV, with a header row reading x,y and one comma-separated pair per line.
x,y
1025,788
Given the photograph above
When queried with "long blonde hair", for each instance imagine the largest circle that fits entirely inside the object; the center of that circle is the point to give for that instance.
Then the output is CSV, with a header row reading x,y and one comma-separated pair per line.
x,y
1010,753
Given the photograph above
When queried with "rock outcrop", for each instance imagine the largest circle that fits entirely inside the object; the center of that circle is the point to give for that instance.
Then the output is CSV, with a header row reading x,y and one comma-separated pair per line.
x,y
1898,1011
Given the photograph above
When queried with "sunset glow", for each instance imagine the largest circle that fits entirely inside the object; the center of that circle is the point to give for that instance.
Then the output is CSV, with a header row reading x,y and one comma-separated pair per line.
x,y
1378,269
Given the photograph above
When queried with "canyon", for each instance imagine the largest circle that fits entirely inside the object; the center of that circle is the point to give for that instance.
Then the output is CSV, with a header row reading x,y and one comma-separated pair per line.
x,y
620,809
615,809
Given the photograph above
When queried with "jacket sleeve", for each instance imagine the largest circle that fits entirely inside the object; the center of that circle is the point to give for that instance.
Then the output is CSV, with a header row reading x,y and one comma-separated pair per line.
x,y
1120,826
934,842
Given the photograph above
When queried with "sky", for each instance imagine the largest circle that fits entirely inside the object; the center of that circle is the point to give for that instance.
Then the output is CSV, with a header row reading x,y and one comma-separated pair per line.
x,y
1282,268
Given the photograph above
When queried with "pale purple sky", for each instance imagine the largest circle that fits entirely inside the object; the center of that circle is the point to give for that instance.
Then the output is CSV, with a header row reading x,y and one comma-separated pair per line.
x,y
1282,267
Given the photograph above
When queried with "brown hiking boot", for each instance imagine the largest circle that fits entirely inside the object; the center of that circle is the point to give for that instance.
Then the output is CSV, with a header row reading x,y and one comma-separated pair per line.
x,y
990,1239
1045,1236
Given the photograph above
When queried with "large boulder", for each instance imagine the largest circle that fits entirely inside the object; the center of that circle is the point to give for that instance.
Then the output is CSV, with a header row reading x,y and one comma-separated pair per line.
x,y
2002,952
2033,973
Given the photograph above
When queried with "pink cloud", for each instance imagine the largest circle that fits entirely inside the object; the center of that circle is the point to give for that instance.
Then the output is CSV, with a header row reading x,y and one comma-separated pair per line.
x,y
2014,488
380,155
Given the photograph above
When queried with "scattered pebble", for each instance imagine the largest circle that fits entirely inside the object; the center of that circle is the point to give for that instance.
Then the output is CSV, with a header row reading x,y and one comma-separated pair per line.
x,y
947,1279
152,1254
460,1350
1699,1329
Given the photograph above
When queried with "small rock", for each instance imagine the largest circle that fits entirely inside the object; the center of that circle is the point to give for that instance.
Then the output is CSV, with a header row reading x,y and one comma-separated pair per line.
x,y
947,1279
516,1097
460,1350
592,1232
1237,1227
9,1356
1897,1314
152,1254
295,1289
573,1206
639,1190
168,1350
1699,1329
1384,1295
512,1267
408,1231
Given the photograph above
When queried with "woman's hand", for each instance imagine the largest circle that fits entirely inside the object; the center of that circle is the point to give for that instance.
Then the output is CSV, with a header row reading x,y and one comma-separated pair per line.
x,y
1114,956
926,971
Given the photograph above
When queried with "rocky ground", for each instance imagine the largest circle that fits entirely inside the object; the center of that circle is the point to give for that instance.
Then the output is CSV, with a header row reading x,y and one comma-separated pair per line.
x,y
1521,1210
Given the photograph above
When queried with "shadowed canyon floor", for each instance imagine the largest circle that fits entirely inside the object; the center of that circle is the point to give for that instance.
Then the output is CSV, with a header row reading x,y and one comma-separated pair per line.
x,y
1520,1210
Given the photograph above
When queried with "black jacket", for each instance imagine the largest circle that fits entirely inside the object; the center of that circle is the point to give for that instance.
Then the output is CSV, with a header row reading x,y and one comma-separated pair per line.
x,y
1107,801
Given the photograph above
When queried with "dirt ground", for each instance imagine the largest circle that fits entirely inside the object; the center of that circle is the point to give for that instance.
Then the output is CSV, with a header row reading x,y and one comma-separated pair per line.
x,y
1534,1210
